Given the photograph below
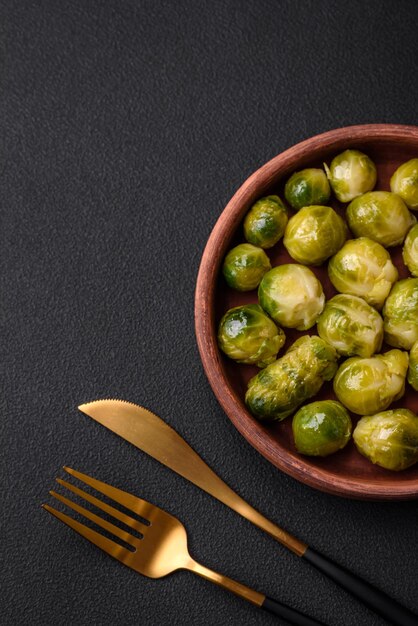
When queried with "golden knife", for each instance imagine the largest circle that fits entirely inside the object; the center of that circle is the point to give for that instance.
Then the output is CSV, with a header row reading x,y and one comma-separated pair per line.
x,y
150,433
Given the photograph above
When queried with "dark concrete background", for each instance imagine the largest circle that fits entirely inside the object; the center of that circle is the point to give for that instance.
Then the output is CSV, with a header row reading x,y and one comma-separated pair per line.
x,y
125,128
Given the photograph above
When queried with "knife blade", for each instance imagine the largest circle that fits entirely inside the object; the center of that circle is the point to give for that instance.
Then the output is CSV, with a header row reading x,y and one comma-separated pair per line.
x,y
152,435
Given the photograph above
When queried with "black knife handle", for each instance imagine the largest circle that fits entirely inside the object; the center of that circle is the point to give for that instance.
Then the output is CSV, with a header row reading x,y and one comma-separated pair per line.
x,y
376,600
290,615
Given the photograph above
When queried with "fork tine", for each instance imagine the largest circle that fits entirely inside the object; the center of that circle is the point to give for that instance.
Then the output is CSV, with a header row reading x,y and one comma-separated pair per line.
x,y
126,519
139,506
107,545
111,528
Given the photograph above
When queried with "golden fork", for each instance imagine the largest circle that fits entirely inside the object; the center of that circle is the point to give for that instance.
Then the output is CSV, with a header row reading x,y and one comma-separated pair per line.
x,y
159,545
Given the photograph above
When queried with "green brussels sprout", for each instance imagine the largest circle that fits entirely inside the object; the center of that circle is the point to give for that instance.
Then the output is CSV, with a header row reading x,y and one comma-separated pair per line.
x,y
389,438
368,385
292,295
244,267
363,268
321,428
247,335
351,325
404,182
314,234
351,173
400,314
410,250
276,391
380,215
306,188
413,366
265,222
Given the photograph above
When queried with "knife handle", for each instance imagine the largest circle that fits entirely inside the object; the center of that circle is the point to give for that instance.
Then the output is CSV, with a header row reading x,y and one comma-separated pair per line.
x,y
376,600
290,615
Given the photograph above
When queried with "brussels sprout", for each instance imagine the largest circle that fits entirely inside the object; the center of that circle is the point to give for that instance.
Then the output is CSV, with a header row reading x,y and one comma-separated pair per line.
x,y
368,385
321,428
351,325
389,439
410,250
363,268
307,187
400,314
247,335
413,367
351,173
244,267
380,215
276,391
265,222
292,295
314,234
404,182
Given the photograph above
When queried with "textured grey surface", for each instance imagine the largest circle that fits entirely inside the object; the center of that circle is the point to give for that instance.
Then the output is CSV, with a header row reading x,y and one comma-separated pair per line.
x,y
125,129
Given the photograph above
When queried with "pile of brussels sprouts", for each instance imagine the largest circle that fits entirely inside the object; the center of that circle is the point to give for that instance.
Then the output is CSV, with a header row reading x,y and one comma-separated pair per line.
x,y
371,307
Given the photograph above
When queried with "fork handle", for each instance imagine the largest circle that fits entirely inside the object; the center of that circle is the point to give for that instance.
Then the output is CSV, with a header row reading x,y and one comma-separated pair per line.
x,y
376,600
290,615
255,597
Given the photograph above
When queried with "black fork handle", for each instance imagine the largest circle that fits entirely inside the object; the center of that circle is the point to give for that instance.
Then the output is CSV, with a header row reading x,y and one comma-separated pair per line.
x,y
376,600
290,615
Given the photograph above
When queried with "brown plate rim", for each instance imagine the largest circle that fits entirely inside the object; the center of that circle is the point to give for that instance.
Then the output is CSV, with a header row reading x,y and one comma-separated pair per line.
x,y
229,219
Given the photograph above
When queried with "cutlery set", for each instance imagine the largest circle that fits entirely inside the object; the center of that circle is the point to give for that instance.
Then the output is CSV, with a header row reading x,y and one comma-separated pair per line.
x,y
154,543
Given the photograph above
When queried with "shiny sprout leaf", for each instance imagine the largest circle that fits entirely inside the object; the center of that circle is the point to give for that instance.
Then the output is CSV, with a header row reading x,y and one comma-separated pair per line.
x,y
314,234
276,391
321,428
351,325
368,385
244,267
351,174
307,187
247,335
389,438
413,366
400,314
404,182
410,250
363,268
265,222
380,215
292,295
